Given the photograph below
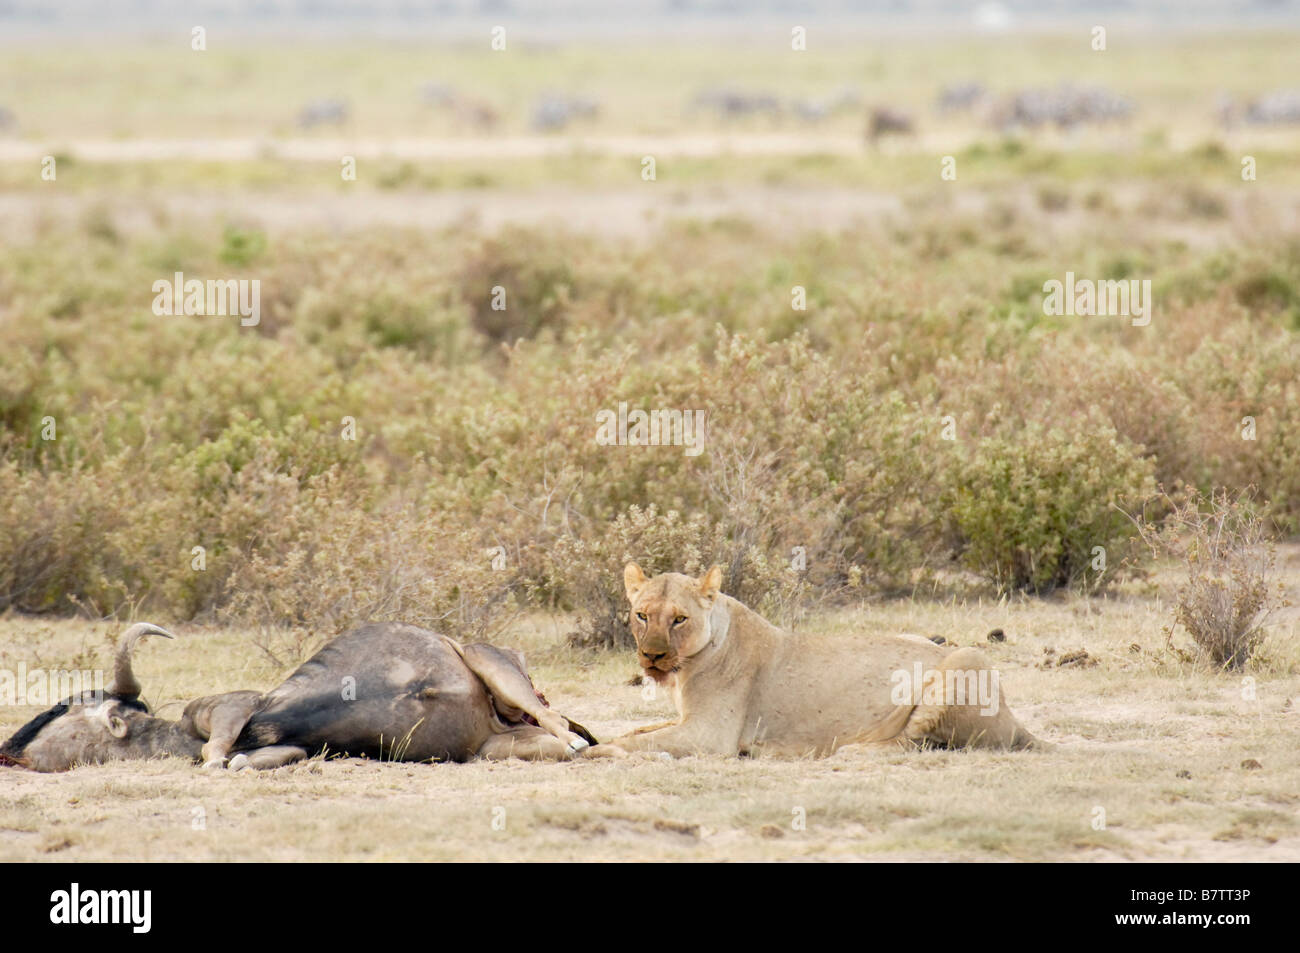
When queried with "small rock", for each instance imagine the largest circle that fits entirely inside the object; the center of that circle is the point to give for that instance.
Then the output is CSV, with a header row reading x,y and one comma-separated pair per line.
x,y
1250,764
1078,657
771,830
1183,774
938,640
997,635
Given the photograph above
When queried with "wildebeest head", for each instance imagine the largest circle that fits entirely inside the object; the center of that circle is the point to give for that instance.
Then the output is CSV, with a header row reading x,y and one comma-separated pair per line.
x,y
94,726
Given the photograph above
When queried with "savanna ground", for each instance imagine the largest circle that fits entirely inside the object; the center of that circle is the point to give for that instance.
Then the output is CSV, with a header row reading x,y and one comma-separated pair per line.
x,y
1141,734
475,440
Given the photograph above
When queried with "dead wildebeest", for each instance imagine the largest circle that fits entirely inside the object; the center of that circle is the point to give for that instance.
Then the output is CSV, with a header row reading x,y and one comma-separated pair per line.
x,y
385,690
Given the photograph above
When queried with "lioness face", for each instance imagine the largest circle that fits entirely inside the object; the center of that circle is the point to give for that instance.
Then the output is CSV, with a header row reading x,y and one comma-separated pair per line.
x,y
670,616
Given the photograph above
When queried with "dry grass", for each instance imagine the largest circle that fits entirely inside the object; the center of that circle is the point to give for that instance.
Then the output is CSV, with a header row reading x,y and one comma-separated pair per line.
x,y
1157,743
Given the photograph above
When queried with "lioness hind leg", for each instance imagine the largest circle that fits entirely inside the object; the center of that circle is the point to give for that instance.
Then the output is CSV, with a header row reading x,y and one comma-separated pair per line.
x,y
962,706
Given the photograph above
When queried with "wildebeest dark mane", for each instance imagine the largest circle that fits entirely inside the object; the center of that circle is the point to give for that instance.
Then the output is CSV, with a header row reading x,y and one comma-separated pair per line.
x,y
14,747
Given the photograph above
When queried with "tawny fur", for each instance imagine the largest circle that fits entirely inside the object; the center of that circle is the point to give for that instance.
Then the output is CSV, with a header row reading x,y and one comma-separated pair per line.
x,y
743,686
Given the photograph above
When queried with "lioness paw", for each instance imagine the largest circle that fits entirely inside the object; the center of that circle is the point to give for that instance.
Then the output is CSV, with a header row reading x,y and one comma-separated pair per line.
x,y
603,751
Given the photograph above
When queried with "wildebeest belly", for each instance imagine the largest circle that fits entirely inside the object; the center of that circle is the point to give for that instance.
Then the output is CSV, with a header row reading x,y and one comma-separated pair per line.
x,y
389,691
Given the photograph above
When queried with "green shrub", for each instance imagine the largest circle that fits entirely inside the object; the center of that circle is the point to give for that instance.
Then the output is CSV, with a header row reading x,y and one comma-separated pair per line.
x,y
1030,512
242,246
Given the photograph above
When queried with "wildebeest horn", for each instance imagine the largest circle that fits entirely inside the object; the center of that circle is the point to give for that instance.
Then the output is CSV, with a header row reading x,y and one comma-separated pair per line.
x,y
124,680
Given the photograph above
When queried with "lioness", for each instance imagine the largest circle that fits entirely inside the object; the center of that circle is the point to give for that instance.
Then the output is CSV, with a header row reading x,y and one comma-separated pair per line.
x,y
744,687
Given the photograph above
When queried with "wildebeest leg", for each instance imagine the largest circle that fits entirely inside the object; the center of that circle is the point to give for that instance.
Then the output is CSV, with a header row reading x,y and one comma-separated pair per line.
x,y
526,742
510,688
534,744
219,719
272,756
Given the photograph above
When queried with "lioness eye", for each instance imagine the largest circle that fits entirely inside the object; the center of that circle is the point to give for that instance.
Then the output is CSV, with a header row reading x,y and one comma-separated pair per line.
x,y
678,620
641,616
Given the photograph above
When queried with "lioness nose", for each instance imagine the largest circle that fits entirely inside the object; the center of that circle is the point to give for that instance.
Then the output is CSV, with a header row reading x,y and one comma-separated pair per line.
x,y
654,658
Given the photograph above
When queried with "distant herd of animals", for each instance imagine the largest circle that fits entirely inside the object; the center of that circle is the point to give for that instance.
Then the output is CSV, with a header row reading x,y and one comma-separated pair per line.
x,y
395,692
1065,106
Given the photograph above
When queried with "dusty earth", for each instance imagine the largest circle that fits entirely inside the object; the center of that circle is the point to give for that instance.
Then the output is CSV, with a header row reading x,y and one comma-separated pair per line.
x,y
1157,759
637,213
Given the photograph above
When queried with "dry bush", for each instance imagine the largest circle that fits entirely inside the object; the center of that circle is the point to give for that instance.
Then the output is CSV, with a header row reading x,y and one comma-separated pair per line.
x,y
1066,380
324,563
1223,541
1248,371
592,569
49,524
538,283
176,432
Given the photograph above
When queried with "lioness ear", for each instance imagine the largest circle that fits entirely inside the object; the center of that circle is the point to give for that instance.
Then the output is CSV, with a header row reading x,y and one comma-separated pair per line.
x,y
633,580
711,583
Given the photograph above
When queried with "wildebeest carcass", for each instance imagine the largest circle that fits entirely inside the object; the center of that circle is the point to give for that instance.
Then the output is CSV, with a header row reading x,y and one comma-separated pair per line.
x,y
385,690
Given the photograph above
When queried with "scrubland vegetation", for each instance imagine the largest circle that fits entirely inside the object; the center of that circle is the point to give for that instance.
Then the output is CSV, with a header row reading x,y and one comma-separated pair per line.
x,y
921,415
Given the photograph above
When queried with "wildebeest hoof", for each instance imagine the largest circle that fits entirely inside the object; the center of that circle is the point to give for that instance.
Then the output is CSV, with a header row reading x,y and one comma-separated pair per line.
x,y
240,762
577,745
